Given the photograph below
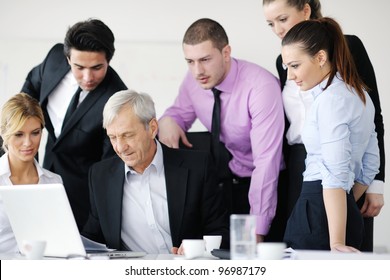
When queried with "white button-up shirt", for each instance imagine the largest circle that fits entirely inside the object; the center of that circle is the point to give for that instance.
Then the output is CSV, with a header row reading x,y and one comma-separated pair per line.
x,y
145,219
7,239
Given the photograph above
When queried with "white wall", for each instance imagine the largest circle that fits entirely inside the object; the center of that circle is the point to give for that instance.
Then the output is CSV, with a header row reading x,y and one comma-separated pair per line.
x,y
148,43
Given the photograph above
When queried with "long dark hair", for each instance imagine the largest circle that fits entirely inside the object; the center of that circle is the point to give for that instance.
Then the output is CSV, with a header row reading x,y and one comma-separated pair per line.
x,y
326,34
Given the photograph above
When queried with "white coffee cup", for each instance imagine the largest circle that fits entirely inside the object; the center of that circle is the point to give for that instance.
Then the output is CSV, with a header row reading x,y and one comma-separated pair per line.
x,y
270,250
193,248
33,249
212,242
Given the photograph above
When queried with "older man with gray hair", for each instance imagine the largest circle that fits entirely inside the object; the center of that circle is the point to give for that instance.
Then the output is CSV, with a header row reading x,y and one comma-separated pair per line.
x,y
150,197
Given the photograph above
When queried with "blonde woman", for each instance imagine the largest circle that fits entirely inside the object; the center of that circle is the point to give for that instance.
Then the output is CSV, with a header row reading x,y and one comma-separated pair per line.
x,y
22,122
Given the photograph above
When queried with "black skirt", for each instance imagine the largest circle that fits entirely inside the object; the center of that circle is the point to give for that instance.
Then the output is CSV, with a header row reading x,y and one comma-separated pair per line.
x,y
307,227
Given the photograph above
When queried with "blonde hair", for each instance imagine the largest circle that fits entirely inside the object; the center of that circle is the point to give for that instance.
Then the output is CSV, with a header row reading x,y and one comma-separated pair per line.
x,y
14,114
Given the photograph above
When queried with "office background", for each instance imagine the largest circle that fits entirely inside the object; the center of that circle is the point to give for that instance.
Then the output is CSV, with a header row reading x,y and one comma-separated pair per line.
x,y
148,54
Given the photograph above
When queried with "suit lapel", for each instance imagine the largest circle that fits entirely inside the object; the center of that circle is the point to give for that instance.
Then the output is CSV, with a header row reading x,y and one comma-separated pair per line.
x,y
53,80
176,183
83,108
114,195
48,124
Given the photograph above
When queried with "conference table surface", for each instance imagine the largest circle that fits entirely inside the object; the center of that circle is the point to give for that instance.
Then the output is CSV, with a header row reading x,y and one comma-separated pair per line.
x,y
293,255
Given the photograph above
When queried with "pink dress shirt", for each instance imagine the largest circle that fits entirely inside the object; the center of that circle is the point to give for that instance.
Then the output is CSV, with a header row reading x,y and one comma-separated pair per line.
x,y
252,126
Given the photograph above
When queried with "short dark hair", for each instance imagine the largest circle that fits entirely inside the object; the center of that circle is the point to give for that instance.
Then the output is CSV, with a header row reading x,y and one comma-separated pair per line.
x,y
90,35
205,29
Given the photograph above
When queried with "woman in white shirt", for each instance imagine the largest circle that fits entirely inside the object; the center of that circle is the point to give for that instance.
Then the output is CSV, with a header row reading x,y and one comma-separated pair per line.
x,y
339,137
21,123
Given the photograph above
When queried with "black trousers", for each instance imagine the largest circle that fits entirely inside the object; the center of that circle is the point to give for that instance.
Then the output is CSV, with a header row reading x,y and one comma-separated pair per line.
x,y
307,227
289,189
235,191
368,240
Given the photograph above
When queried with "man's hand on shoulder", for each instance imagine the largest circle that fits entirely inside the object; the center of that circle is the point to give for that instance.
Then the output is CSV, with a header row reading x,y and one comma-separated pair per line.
x,y
169,133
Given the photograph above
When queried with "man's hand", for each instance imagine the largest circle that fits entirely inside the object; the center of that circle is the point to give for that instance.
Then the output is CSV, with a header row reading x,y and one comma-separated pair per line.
x,y
373,204
259,238
178,251
169,133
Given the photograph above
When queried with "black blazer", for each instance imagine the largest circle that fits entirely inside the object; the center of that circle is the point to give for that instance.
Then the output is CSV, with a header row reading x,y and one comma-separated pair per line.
x,y
83,141
367,74
195,203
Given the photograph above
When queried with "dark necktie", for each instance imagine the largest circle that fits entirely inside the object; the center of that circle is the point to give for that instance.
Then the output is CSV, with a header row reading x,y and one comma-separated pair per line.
x,y
73,105
216,125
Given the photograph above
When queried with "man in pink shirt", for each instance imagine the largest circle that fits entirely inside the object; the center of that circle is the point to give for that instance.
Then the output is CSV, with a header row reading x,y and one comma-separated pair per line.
x,y
251,119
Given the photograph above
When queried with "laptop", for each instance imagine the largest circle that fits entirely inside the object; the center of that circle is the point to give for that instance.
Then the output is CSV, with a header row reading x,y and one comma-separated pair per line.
x,y
43,212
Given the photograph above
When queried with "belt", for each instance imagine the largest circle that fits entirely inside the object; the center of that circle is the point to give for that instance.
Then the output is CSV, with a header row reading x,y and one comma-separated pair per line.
x,y
241,180
236,180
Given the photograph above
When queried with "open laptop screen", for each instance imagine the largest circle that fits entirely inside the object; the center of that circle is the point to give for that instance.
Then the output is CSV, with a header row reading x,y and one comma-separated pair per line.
x,y
43,212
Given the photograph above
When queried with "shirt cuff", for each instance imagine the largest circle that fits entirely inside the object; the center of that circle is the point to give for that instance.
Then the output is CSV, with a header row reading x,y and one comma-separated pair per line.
x,y
377,187
262,225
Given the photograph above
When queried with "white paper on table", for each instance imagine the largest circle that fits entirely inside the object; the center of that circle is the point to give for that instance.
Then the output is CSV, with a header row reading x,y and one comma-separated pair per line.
x,y
93,246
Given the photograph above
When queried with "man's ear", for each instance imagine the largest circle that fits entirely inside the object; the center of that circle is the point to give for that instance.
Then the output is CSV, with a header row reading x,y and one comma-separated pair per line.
x,y
226,51
153,127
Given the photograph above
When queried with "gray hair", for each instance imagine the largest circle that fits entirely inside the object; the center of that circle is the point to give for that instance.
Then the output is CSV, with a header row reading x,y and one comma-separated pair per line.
x,y
141,103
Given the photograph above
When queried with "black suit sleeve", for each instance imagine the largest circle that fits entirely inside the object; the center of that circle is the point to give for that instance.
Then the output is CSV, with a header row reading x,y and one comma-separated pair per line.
x,y
92,228
214,211
367,74
33,83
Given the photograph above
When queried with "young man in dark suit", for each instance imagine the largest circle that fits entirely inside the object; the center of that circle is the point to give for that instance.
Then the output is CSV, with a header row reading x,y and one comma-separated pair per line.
x,y
72,84
150,197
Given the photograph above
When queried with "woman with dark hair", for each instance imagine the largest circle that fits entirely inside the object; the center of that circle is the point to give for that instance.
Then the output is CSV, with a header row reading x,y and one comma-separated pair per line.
x,y
339,136
281,15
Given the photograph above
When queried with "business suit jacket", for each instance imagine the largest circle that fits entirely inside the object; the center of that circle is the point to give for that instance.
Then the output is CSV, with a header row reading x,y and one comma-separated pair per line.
x,y
195,203
83,141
